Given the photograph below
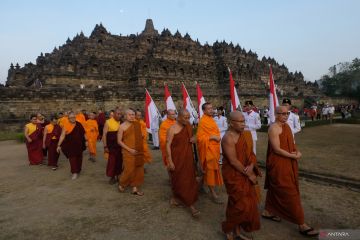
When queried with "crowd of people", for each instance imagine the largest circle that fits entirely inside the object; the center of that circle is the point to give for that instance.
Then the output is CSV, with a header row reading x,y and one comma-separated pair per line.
x,y
222,152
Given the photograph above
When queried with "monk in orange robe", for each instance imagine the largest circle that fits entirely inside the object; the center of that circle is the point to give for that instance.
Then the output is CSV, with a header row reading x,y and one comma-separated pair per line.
x,y
147,155
283,195
72,143
181,163
63,120
239,171
33,136
80,117
52,133
92,132
112,148
131,141
164,126
208,141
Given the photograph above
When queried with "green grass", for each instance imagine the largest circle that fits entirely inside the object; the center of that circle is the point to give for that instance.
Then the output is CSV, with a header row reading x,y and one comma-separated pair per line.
x,y
6,135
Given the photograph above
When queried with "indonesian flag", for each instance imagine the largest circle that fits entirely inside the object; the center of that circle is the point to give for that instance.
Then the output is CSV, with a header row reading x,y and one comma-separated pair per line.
x,y
200,99
151,112
187,104
235,101
273,99
168,99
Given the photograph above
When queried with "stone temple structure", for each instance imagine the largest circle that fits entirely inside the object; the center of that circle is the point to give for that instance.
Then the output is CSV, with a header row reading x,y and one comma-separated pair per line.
x,y
106,70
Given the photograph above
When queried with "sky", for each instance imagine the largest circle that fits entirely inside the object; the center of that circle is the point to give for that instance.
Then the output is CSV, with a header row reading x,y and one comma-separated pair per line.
x,y
307,35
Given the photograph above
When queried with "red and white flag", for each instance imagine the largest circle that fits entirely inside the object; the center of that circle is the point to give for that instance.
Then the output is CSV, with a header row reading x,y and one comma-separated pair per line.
x,y
152,114
187,104
273,99
168,99
235,101
200,100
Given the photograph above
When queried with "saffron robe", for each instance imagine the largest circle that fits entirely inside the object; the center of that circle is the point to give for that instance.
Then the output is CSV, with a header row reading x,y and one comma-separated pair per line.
x,y
115,162
92,132
147,155
165,125
242,207
133,165
183,178
209,150
282,183
34,148
51,142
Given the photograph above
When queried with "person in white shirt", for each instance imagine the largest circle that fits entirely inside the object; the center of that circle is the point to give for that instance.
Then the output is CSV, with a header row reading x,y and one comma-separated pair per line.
x,y
325,112
252,122
293,119
331,111
221,122
155,132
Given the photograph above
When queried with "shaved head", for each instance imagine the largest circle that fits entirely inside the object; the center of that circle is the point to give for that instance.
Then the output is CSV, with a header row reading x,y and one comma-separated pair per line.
x,y
235,115
237,121
183,112
183,117
171,114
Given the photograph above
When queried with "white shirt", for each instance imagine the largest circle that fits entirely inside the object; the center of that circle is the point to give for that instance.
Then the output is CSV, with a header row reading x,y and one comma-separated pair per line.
x,y
222,124
294,123
155,123
253,123
325,110
331,110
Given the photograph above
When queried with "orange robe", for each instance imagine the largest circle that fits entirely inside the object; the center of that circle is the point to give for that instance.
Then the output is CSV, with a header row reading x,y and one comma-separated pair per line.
x,y
165,125
242,207
80,117
92,132
283,195
209,151
133,165
147,155
183,178
63,121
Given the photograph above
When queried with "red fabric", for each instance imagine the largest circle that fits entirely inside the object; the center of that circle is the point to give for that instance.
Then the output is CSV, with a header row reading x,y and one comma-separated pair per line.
x,y
101,119
74,142
53,155
115,162
183,178
35,150
242,207
283,195
76,163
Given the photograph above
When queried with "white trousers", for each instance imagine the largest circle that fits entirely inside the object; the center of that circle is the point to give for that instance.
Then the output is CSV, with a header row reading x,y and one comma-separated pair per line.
x,y
155,137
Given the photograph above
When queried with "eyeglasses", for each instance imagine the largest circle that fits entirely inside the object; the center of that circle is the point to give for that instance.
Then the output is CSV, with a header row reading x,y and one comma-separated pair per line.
x,y
283,113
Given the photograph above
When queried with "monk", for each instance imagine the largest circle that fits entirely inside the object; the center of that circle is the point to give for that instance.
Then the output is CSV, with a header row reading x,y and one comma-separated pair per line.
x,y
33,136
165,125
147,155
283,195
72,143
181,163
101,119
92,132
64,119
52,133
111,146
43,122
239,171
80,117
208,141
131,141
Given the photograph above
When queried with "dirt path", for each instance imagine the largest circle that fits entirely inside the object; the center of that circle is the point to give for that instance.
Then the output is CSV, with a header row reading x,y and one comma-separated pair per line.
x,y
37,203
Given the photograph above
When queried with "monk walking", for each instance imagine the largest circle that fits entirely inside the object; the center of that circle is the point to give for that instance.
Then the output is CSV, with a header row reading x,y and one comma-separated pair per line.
x,y
111,146
181,163
239,171
165,125
283,195
147,155
80,117
52,133
101,119
208,140
33,136
131,141
92,133
72,143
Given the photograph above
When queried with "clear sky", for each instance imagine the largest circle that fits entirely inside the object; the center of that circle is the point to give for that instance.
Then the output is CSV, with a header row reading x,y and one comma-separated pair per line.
x,y
307,35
